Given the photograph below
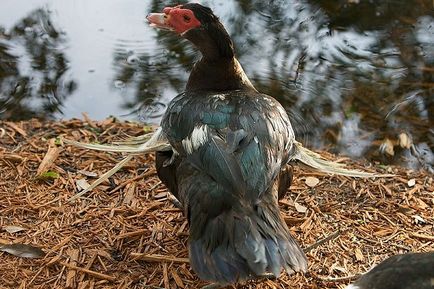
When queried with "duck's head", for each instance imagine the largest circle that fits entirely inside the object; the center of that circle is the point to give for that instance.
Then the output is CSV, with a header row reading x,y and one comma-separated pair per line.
x,y
197,24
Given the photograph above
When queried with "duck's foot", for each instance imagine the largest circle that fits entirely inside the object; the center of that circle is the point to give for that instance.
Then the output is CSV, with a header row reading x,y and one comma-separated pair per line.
x,y
213,286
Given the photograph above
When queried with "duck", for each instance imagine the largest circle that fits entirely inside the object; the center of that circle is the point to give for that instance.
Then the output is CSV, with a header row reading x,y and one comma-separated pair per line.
x,y
403,271
228,166
225,151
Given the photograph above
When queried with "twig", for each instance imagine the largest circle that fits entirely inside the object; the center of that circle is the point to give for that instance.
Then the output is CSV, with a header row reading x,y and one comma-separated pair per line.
x,y
337,279
158,258
322,241
139,177
422,236
132,234
90,272
15,127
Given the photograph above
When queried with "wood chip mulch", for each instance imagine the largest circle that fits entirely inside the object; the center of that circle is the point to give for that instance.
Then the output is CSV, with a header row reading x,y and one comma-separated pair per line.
x,y
127,234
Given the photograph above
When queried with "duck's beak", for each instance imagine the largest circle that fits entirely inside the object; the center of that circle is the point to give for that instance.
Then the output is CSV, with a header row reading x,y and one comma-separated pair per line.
x,y
159,20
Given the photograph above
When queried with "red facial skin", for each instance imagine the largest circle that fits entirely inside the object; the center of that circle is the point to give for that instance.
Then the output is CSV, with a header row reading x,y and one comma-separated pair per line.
x,y
180,19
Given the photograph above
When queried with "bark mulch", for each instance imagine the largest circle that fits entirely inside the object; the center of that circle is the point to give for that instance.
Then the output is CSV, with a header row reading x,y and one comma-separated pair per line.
x,y
127,234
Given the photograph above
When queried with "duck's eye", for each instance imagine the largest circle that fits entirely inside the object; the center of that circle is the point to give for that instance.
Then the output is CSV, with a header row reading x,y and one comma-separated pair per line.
x,y
187,18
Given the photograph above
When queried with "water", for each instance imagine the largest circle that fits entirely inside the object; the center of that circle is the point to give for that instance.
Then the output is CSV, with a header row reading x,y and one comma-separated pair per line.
x,y
356,76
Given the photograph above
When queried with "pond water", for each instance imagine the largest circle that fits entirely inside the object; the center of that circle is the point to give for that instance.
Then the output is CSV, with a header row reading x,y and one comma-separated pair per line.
x,y
356,76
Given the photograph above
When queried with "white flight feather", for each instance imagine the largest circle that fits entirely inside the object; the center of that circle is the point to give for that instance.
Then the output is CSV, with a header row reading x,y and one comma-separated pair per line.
x,y
197,138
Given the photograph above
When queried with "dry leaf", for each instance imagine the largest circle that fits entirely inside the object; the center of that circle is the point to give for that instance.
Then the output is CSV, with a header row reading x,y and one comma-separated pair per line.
x,y
22,250
82,184
129,194
312,181
13,229
411,183
88,174
300,208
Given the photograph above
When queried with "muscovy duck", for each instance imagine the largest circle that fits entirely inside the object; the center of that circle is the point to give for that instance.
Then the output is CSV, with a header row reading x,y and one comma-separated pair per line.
x,y
231,145
406,271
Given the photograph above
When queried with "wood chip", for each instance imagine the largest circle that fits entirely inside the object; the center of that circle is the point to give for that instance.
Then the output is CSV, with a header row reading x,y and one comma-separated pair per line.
x,y
82,184
387,147
300,208
411,183
359,255
177,279
15,127
70,277
48,160
405,140
124,235
312,182
165,276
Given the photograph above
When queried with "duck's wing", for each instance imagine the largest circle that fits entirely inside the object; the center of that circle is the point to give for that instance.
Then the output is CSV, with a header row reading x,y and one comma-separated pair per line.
x,y
241,141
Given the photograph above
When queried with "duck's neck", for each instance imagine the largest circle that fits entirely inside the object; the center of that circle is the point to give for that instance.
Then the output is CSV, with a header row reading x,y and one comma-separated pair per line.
x,y
218,70
218,74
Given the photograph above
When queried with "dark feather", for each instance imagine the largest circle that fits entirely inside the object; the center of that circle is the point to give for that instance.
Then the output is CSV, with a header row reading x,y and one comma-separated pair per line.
x,y
407,271
166,170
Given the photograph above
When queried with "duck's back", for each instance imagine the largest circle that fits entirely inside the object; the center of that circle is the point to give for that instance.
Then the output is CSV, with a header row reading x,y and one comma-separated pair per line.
x,y
240,138
231,148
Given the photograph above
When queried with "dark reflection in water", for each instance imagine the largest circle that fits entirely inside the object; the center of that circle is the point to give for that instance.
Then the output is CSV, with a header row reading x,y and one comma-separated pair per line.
x,y
355,75
32,67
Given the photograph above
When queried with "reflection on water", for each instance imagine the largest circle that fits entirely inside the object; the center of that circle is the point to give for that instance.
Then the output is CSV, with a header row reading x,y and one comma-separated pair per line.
x,y
32,67
356,77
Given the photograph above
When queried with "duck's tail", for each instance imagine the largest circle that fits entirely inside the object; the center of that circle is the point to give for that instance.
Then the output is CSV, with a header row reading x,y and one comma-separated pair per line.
x,y
236,247
314,160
